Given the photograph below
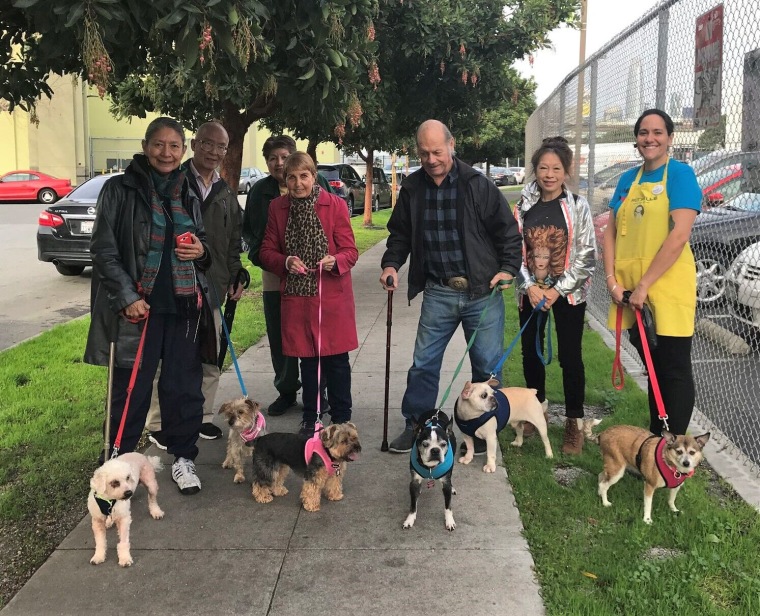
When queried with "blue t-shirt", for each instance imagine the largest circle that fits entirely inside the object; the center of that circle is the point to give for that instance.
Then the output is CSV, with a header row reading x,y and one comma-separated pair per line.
x,y
682,189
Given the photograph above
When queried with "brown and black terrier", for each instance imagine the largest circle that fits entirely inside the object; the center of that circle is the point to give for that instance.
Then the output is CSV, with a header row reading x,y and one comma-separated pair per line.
x,y
277,453
246,421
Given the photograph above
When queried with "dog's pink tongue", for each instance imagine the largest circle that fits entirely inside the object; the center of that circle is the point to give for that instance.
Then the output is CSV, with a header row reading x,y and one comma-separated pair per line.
x,y
353,456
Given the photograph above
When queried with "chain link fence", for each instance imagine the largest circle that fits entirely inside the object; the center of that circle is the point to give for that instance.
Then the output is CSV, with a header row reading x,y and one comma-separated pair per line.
x,y
700,62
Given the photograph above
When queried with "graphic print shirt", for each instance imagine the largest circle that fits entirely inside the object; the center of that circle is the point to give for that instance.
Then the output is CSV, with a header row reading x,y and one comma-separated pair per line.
x,y
545,235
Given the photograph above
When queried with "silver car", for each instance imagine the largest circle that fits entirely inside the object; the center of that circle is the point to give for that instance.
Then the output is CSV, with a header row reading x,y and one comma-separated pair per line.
x,y
248,177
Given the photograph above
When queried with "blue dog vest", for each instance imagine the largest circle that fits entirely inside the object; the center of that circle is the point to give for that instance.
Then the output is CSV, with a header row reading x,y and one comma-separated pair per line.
x,y
440,469
501,413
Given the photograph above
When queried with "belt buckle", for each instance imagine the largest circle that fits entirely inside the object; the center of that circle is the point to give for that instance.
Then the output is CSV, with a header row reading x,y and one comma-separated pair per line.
x,y
458,283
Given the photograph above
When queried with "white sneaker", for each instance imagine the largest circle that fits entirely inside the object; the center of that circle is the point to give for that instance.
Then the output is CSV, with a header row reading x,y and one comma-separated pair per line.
x,y
184,475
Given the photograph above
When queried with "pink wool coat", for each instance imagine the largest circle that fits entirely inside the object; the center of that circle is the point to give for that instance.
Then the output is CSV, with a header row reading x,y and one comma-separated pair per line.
x,y
300,315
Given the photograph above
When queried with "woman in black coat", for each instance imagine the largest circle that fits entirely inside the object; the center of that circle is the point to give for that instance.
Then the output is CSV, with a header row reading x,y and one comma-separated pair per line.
x,y
149,251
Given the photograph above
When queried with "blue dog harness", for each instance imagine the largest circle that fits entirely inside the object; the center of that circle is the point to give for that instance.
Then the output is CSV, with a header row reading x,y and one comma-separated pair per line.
x,y
501,413
440,469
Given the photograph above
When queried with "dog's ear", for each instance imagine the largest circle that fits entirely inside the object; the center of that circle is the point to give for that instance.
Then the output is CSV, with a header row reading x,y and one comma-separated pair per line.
x,y
669,437
467,391
98,481
253,405
702,439
328,435
225,409
494,382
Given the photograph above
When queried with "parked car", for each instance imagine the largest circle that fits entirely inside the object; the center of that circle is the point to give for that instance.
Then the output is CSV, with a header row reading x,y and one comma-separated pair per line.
x,y
743,285
502,176
347,183
33,186
248,177
64,229
519,173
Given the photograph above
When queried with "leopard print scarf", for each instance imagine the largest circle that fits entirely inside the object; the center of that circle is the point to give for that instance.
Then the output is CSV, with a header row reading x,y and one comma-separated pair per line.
x,y
306,239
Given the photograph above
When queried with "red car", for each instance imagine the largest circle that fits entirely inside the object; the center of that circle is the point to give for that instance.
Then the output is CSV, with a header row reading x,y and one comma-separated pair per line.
x,y
33,186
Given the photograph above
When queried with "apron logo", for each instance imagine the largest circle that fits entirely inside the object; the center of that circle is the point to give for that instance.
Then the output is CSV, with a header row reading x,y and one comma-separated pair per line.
x,y
657,190
639,211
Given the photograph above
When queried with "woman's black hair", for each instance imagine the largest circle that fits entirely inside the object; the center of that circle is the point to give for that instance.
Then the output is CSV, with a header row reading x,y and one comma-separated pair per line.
x,y
164,122
669,126
278,142
555,145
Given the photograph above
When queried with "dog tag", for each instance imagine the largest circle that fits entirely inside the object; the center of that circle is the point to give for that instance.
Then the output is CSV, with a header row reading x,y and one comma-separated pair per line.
x,y
430,483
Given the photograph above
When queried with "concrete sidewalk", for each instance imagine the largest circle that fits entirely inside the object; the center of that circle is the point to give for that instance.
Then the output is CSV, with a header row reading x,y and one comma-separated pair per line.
x,y
220,552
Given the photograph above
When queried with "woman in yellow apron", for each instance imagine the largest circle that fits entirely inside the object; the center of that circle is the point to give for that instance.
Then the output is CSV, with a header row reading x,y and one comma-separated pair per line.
x,y
646,251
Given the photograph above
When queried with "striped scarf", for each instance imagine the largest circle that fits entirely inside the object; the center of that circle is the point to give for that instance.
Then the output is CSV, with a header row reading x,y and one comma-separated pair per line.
x,y
168,189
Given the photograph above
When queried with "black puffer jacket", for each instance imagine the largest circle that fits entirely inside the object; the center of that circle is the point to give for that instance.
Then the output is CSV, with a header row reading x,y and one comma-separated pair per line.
x,y
491,241
119,247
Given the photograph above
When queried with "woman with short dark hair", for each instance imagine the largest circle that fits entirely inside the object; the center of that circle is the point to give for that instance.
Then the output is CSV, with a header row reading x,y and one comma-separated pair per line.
x,y
646,251
149,252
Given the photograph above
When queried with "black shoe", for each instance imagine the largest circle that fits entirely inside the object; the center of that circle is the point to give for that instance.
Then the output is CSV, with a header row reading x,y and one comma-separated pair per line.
x,y
403,442
210,432
282,404
157,439
307,429
480,446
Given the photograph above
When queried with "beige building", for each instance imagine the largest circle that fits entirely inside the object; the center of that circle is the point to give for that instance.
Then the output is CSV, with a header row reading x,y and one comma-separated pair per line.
x,y
77,137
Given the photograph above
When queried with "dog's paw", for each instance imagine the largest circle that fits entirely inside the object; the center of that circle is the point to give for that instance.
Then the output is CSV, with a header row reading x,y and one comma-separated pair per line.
x,y
280,491
465,459
157,513
226,464
518,442
239,477
98,559
489,468
450,524
312,507
126,562
648,521
607,503
410,520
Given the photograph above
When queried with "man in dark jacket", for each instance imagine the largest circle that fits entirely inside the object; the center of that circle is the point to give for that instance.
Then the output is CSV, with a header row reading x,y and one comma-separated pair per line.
x,y
463,241
221,219
276,150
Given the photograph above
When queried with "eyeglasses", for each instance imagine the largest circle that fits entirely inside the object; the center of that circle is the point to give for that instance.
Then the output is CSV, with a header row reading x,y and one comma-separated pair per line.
x,y
210,146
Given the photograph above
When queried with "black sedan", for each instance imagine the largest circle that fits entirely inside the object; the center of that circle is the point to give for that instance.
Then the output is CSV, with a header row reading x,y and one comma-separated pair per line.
x,y
64,229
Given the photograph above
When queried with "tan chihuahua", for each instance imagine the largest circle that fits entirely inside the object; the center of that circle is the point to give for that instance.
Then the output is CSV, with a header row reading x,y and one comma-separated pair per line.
x,y
664,462
483,411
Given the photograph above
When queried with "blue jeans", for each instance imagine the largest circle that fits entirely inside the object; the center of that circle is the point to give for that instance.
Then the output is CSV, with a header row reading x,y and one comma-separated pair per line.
x,y
443,309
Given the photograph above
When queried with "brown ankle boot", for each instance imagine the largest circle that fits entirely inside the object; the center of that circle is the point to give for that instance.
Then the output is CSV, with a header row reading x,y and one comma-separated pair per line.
x,y
572,441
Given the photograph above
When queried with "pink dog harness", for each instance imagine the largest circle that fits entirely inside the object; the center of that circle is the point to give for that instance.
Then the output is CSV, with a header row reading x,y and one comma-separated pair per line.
x,y
315,446
258,426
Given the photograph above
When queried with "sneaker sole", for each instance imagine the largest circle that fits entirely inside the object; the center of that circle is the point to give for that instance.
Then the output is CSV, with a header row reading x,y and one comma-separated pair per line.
x,y
156,443
397,450
208,438
189,491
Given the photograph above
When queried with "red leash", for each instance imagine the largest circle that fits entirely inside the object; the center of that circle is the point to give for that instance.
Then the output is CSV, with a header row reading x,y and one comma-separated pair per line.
x,y
130,387
618,379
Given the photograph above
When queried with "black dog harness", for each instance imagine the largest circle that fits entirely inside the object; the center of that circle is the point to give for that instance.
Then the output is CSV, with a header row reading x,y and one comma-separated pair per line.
x,y
105,505
671,476
501,413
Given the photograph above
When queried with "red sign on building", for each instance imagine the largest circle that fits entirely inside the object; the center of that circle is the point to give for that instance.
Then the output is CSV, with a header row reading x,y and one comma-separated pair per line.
x,y
708,65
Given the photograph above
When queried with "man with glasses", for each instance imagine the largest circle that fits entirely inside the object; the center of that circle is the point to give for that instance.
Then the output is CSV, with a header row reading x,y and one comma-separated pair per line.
x,y
222,219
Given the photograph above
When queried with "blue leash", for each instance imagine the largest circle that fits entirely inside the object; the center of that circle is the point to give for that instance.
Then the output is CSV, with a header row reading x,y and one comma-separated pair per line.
x,y
539,350
497,368
229,342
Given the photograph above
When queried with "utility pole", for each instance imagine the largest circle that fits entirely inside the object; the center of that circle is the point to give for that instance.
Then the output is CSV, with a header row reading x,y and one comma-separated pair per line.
x,y
581,88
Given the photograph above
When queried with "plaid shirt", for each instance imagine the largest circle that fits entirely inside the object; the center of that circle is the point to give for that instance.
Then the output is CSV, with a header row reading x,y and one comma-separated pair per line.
x,y
443,246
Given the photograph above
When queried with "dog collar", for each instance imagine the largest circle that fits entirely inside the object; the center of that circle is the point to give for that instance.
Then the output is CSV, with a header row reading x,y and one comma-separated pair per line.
x,y
315,446
105,505
439,470
501,413
256,429
672,476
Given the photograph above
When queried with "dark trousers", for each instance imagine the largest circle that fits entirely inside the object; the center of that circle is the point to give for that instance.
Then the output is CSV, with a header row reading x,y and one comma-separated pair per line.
x,y
285,368
569,324
672,365
336,375
170,340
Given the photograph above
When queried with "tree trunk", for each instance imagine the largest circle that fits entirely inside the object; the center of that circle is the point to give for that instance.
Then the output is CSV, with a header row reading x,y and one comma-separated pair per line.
x,y
311,150
368,191
236,127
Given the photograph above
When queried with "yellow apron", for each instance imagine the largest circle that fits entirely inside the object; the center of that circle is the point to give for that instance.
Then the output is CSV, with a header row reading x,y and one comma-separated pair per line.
x,y
643,222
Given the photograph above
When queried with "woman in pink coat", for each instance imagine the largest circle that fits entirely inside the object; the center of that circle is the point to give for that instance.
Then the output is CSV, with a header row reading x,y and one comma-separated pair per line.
x,y
306,229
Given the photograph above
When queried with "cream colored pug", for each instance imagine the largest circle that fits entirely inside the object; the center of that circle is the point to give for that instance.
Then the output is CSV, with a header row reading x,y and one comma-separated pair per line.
x,y
483,411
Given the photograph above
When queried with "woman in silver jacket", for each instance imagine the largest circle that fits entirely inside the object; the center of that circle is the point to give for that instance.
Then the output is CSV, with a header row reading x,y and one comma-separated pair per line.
x,y
559,258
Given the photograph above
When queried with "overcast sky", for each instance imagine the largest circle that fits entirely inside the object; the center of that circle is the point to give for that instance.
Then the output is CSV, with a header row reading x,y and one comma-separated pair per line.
x,y
605,19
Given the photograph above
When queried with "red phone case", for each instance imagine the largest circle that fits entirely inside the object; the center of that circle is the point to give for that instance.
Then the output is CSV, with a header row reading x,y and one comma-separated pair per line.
x,y
185,238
